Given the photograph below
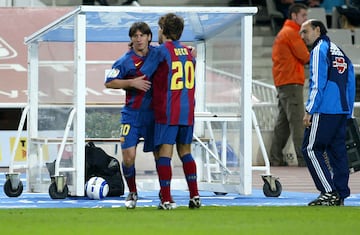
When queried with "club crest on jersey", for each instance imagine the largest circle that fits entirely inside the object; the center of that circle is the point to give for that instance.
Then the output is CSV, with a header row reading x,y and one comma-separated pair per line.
x,y
113,73
340,64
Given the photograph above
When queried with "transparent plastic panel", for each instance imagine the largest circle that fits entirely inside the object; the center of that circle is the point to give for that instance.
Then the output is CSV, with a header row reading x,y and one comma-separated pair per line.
x,y
103,106
41,162
56,73
222,99
223,69
102,122
52,120
100,57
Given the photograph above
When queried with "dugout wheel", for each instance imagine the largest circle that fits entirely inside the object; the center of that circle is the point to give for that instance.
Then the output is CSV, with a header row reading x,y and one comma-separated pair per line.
x,y
13,189
272,186
58,188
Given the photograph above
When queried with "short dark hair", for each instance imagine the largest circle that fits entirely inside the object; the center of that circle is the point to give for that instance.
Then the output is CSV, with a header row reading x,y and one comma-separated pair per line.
x,y
295,8
161,22
172,26
318,23
142,27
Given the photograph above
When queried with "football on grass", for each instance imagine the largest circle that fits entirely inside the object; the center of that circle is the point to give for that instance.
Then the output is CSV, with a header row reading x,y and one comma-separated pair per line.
x,y
96,188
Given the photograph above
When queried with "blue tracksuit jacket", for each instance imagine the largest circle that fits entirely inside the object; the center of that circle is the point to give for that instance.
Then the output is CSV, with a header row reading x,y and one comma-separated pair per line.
x,y
324,91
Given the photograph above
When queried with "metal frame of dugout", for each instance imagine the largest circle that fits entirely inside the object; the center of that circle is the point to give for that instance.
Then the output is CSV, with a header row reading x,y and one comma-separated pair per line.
x,y
87,24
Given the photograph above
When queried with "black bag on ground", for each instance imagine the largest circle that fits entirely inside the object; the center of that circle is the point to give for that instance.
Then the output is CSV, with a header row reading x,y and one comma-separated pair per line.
x,y
99,163
353,144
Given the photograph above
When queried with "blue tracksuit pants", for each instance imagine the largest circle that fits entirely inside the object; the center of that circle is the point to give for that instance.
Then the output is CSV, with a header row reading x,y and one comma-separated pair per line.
x,y
327,134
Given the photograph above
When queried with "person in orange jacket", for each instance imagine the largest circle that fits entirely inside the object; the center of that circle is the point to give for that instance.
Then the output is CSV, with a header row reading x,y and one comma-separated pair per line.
x,y
289,55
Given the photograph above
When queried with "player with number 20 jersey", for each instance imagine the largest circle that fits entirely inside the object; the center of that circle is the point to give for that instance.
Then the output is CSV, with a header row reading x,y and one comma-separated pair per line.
x,y
172,68
174,85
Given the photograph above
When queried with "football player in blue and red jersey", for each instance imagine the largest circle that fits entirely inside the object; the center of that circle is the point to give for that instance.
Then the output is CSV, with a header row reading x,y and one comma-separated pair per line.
x,y
172,67
137,120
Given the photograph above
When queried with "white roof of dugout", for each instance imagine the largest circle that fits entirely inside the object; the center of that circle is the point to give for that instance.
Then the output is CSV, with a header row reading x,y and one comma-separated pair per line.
x,y
111,24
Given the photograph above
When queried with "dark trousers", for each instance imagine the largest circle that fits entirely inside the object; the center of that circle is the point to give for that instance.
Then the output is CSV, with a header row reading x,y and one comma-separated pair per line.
x,y
327,134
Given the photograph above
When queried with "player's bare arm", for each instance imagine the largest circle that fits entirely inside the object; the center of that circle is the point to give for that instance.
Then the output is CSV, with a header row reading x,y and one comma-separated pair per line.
x,y
138,83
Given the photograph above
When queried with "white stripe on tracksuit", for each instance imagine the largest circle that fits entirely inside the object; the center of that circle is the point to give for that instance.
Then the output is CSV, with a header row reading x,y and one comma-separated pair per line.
x,y
312,156
315,78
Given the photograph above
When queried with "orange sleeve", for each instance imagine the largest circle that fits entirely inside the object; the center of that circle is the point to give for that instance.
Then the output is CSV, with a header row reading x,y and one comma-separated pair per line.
x,y
299,48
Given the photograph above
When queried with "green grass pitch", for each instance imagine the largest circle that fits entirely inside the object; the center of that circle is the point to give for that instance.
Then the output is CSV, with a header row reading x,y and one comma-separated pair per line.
x,y
206,220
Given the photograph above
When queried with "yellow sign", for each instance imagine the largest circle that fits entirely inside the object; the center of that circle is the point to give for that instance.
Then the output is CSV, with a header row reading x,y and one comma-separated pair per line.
x,y
20,154
21,150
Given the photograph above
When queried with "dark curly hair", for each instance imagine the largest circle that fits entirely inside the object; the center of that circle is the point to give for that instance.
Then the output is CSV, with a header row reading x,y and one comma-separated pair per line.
x,y
172,26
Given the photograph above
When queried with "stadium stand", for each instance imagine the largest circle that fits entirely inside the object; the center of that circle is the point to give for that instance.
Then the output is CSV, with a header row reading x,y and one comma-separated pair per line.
x,y
353,52
317,13
340,36
357,36
276,17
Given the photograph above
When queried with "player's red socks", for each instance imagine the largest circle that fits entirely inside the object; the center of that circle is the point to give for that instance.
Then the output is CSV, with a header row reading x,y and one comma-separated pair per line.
x,y
164,170
189,167
129,175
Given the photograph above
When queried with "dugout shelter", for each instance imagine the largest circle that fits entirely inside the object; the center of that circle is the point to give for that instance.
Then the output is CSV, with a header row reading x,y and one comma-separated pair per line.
x,y
70,55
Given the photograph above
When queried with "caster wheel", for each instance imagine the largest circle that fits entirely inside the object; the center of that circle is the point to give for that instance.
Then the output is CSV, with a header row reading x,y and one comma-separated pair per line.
x,y
54,194
269,193
220,194
10,192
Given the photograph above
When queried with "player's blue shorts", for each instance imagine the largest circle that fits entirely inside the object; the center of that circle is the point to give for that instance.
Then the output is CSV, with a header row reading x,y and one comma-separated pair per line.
x,y
168,134
136,125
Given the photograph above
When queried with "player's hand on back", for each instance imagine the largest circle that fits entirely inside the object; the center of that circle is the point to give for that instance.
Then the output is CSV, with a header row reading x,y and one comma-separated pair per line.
x,y
192,50
141,83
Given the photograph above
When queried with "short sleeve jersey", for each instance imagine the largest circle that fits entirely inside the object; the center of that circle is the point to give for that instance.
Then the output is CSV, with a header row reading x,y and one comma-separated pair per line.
x,y
127,67
173,83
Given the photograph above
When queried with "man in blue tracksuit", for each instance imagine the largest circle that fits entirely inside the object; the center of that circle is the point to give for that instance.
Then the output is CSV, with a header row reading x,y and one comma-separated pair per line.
x,y
330,103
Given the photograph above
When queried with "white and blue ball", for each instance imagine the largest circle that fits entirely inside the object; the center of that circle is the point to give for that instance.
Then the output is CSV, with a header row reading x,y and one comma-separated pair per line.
x,y
96,188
